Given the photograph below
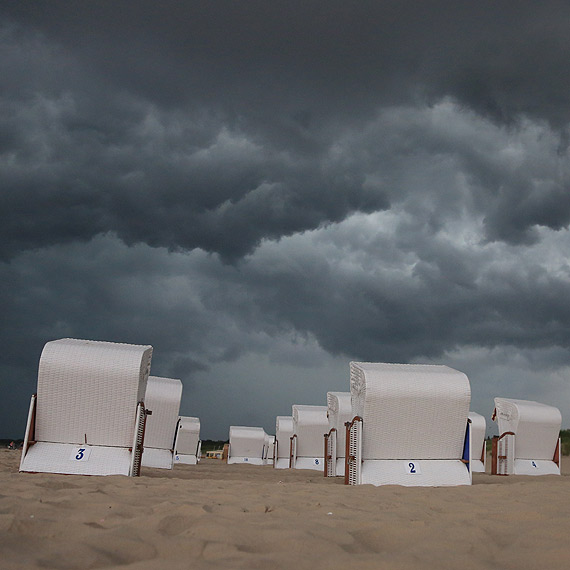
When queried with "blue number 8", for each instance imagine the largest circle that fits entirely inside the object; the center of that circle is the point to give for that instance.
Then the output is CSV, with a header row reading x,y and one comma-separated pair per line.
x,y
79,455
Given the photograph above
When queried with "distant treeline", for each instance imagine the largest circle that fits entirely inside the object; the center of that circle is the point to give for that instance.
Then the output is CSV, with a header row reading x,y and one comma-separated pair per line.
x,y
565,437
212,444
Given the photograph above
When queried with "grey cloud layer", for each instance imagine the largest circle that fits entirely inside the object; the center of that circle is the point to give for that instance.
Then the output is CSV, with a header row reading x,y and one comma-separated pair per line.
x,y
388,181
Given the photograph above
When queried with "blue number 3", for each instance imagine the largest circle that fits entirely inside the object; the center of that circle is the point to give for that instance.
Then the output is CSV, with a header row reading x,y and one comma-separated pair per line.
x,y
80,453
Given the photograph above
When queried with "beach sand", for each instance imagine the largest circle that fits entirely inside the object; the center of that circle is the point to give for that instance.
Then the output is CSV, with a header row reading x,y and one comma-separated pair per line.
x,y
215,515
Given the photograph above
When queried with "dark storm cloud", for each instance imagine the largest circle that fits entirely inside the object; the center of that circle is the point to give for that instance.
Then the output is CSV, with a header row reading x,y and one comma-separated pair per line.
x,y
213,125
389,181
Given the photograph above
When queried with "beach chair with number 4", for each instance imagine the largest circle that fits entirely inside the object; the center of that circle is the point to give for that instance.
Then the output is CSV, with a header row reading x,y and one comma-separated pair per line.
x,y
529,440
88,416
410,426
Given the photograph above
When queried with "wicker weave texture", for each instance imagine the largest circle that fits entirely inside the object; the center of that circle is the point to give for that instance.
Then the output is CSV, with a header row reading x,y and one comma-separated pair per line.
x,y
410,410
536,425
339,411
59,458
427,473
247,442
283,433
310,423
187,436
162,397
88,391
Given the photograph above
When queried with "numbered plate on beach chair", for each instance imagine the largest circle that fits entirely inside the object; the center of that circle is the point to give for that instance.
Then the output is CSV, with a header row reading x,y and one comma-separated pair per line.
x,y
412,467
80,453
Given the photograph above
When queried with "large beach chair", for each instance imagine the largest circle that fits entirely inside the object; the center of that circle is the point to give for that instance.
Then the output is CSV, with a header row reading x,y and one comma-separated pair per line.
x,y
162,400
283,433
410,426
247,445
529,438
310,423
187,445
478,427
88,416
339,412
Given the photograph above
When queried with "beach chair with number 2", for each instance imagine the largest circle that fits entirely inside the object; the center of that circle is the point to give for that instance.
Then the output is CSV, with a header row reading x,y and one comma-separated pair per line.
x,y
88,416
410,426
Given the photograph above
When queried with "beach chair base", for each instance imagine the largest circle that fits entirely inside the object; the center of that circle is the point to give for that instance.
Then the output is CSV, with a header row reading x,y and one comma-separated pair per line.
x,y
477,466
157,458
247,460
315,463
281,463
185,459
73,459
415,473
535,467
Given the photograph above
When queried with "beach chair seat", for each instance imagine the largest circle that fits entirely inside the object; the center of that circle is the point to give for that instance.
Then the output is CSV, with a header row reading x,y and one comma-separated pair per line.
x,y
88,416
162,400
478,447
247,445
283,434
339,412
529,438
187,445
410,426
310,424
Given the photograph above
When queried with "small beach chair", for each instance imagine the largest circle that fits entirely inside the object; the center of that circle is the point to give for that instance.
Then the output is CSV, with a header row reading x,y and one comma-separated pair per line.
x,y
410,426
529,438
339,412
283,433
270,448
247,445
162,401
478,447
88,416
310,423
187,445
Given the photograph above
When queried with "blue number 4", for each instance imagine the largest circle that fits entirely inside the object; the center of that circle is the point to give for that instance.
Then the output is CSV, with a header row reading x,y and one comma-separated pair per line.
x,y
80,453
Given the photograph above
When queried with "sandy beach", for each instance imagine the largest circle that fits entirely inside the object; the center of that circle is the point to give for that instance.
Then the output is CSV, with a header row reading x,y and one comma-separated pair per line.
x,y
215,515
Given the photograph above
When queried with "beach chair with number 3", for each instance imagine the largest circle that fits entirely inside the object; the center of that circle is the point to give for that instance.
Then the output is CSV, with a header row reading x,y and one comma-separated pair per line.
x,y
88,416
410,426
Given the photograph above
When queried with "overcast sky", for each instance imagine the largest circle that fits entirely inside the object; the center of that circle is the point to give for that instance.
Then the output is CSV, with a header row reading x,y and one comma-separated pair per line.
x,y
265,191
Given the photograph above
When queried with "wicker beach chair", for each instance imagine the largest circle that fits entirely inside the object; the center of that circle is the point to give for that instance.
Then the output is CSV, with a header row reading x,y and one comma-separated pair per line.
x,y
410,426
247,445
88,416
478,448
529,440
187,445
283,433
339,412
310,423
162,400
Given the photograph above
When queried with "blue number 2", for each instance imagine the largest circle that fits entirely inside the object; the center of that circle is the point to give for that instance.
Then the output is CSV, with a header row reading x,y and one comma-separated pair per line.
x,y
80,453
412,467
